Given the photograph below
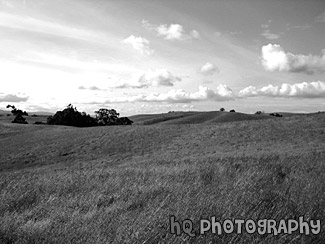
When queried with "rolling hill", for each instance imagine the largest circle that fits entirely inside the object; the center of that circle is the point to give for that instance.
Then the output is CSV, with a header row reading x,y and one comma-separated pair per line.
x,y
121,184
210,117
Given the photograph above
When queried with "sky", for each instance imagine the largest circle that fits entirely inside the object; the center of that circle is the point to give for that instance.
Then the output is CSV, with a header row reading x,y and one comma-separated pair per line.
x,y
155,56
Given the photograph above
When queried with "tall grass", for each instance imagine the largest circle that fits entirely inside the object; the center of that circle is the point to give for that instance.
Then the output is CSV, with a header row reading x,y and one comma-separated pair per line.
x,y
194,173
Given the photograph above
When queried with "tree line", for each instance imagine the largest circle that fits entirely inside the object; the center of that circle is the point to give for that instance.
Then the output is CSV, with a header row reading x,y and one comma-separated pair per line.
x,y
70,116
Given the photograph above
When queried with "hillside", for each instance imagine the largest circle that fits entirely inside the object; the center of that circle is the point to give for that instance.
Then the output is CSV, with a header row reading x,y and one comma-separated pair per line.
x,y
120,184
210,117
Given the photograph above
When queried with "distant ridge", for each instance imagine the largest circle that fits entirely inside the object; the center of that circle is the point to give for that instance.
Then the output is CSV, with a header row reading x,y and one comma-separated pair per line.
x,y
30,113
210,117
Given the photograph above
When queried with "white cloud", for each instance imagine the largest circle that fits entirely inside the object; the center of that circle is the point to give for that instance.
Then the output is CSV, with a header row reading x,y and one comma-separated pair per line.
x,y
270,36
139,43
315,89
12,98
320,18
30,24
171,32
161,77
93,88
222,93
209,69
275,59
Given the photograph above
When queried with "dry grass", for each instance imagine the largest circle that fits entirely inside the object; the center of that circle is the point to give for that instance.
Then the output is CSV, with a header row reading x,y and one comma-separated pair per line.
x,y
120,184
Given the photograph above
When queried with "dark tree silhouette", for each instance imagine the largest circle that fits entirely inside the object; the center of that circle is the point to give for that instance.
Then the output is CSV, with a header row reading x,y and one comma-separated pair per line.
x,y
276,114
70,116
233,110
222,109
19,119
16,111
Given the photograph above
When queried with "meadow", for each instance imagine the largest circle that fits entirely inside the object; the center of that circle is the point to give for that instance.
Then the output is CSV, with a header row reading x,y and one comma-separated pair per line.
x,y
121,184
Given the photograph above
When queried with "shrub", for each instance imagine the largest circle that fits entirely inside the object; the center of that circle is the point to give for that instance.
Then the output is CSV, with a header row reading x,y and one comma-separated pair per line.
x,y
276,114
233,110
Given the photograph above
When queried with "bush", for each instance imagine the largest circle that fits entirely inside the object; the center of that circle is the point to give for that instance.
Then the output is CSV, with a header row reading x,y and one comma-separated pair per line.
x,y
233,110
276,114
222,109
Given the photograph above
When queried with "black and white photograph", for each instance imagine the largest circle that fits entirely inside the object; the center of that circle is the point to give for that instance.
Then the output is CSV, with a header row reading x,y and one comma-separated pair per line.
x,y
162,121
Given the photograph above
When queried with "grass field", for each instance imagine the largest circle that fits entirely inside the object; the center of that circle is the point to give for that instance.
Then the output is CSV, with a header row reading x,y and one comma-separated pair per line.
x,y
121,184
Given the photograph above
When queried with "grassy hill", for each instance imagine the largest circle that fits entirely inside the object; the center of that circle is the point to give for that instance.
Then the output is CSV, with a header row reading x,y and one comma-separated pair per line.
x,y
195,117
121,184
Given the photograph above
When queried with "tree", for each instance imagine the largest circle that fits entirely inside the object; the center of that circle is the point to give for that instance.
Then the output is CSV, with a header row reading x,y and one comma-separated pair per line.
x,y
222,109
16,111
233,110
19,119
107,116
72,117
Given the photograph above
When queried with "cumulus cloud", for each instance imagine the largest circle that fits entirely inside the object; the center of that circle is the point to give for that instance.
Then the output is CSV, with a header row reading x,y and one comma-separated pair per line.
x,y
139,43
171,32
320,18
315,89
176,32
222,93
275,59
12,98
209,69
161,77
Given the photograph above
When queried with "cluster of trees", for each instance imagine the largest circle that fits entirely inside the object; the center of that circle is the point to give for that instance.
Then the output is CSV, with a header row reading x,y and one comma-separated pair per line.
x,y
19,119
72,117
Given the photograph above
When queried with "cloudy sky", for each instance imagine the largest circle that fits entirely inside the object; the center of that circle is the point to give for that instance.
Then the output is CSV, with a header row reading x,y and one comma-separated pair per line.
x,y
149,56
